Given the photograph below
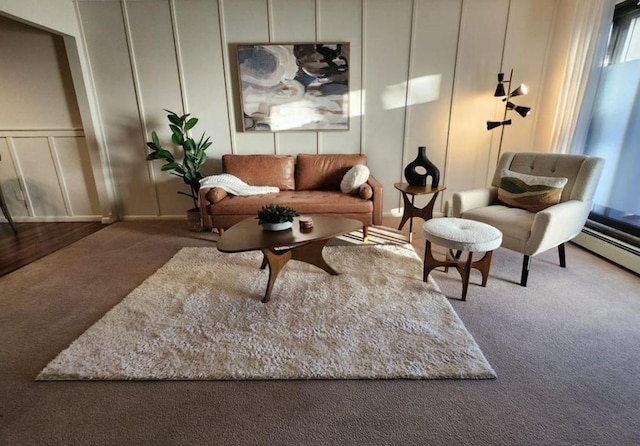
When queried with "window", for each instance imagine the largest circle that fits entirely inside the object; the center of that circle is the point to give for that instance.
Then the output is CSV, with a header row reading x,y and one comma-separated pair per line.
x,y
624,43
614,130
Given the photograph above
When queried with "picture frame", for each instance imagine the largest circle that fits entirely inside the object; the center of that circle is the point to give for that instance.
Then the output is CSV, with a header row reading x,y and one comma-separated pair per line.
x,y
293,86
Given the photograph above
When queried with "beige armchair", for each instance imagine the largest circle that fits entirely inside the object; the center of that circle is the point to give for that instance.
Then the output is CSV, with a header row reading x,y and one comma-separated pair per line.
x,y
531,233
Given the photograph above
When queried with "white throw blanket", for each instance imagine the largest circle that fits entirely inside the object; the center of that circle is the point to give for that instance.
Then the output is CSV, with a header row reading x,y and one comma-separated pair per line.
x,y
235,185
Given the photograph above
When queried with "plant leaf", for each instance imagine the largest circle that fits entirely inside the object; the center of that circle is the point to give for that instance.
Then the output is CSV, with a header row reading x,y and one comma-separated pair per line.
x,y
190,123
174,119
155,139
164,154
177,139
169,166
190,144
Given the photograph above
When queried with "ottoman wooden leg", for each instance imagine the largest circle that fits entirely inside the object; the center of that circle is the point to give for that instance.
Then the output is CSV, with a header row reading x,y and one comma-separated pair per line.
x,y
465,273
430,263
484,265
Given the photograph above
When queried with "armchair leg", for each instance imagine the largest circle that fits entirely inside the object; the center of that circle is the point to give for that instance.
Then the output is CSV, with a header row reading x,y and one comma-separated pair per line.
x,y
526,263
563,259
365,234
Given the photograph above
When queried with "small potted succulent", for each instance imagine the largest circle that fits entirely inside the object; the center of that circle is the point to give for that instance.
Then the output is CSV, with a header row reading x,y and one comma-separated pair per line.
x,y
274,217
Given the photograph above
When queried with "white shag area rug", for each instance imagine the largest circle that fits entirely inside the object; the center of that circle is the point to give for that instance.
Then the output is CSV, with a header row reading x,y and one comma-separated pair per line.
x,y
199,317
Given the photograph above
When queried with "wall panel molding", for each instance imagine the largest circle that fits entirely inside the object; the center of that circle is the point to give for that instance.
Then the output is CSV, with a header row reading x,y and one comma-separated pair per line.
x,y
180,67
57,165
30,133
227,78
138,96
18,169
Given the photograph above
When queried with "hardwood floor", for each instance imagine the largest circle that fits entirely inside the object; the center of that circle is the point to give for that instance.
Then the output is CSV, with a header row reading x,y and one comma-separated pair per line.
x,y
36,240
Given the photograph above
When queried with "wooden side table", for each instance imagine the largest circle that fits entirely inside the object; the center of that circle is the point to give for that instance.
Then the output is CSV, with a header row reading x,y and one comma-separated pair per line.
x,y
410,210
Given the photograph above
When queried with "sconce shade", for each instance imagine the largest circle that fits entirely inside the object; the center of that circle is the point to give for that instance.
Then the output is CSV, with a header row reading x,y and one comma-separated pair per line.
x,y
493,124
500,91
522,89
522,111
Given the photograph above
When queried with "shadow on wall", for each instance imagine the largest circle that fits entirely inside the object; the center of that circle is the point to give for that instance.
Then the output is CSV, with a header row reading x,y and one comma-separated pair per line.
x,y
14,197
45,201
130,169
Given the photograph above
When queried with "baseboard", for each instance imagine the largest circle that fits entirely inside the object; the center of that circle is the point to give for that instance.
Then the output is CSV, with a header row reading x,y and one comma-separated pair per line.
x,y
619,252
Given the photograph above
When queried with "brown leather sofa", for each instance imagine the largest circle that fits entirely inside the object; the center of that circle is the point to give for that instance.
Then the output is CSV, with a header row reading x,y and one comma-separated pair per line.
x,y
308,183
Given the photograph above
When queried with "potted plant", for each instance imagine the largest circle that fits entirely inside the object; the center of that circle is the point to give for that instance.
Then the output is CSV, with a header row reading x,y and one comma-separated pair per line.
x,y
193,157
274,217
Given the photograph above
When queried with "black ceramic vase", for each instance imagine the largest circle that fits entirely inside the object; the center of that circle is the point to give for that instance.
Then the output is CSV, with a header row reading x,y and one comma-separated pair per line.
x,y
414,178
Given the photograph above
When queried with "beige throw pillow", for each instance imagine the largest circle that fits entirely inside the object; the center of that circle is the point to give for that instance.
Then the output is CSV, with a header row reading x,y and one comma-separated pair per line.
x,y
530,192
354,178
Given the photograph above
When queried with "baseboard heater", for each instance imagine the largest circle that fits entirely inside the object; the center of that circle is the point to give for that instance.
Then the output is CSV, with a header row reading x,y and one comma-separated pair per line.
x,y
620,252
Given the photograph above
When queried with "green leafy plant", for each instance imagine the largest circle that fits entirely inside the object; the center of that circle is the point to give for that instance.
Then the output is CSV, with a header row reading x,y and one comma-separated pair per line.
x,y
273,213
193,153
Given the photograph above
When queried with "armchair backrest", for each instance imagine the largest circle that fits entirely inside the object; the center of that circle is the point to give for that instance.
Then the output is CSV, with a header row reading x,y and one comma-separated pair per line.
x,y
582,171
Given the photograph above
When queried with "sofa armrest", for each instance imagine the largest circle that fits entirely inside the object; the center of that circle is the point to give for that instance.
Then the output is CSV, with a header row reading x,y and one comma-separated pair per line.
x,y
471,199
208,196
211,195
376,186
557,224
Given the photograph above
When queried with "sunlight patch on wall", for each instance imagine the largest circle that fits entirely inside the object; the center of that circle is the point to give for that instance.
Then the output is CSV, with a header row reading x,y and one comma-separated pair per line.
x,y
420,91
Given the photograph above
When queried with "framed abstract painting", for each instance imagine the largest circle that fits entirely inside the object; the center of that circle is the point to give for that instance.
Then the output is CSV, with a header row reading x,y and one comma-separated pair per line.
x,y
298,86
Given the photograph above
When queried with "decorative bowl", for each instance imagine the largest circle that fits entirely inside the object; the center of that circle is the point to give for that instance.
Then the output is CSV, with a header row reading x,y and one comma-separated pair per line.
x,y
277,226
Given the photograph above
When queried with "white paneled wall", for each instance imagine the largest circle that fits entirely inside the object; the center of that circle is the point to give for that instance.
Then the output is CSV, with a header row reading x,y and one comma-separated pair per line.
x,y
422,72
481,37
45,171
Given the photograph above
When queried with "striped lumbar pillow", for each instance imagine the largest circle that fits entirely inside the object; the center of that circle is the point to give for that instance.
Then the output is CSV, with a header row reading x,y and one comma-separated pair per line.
x,y
530,192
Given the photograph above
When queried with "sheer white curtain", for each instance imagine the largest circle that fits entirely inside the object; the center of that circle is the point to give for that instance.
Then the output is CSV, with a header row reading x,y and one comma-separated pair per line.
x,y
586,55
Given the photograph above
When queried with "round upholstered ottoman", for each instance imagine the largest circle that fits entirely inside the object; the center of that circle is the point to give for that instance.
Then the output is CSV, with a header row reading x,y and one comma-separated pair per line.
x,y
460,235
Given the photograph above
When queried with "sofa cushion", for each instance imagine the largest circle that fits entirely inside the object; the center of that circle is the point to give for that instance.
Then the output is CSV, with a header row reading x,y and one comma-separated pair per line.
x,y
530,192
324,172
262,170
305,202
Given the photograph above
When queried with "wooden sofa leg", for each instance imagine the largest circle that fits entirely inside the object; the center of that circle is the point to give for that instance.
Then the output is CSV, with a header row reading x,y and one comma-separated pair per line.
x,y
563,259
526,263
365,234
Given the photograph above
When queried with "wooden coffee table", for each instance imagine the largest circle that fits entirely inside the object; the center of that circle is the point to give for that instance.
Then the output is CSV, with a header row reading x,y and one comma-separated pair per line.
x,y
291,244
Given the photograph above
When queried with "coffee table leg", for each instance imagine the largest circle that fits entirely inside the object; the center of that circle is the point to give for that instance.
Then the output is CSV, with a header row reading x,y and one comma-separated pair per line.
x,y
310,253
276,262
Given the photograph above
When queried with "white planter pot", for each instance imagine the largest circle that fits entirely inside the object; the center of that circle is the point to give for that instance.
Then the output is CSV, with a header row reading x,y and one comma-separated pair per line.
x,y
277,226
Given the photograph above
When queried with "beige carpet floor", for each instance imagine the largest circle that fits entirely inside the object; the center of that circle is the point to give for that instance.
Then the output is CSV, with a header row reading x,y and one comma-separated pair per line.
x,y
565,349
200,317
